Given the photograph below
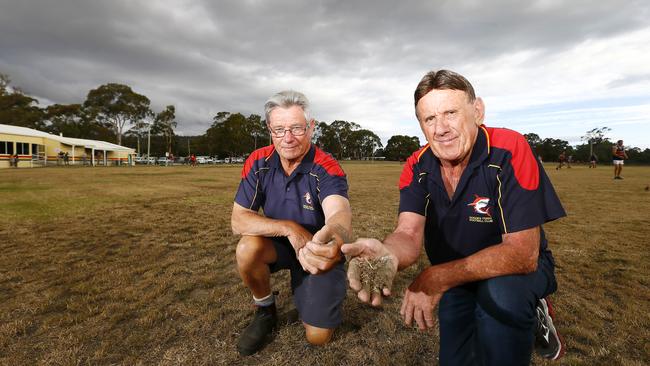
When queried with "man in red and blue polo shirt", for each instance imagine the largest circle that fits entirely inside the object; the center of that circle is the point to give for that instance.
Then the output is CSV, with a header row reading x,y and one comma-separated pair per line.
x,y
477,198
303,193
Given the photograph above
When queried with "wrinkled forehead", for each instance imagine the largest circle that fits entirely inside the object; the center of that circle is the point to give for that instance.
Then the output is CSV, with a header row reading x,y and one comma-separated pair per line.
x,y
292,115
439,100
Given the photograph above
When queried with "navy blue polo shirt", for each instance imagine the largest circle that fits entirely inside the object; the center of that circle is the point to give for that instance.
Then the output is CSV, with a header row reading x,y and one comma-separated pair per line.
x,y
503,189
297,197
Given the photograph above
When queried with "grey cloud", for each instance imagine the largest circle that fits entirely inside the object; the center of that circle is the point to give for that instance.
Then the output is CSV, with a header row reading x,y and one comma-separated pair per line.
x,y
210,56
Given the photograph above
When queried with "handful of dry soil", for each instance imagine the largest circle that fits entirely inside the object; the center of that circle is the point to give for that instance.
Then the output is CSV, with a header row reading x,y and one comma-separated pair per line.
x,y
375,273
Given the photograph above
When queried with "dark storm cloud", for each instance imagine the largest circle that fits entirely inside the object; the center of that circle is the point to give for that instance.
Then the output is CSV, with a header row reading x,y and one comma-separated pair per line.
x,y
209,56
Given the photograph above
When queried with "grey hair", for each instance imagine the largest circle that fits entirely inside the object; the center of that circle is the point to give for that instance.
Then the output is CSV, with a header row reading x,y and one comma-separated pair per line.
x,y
286,99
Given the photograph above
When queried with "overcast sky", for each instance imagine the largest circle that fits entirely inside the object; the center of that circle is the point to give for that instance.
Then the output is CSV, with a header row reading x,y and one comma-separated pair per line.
x,y
555,68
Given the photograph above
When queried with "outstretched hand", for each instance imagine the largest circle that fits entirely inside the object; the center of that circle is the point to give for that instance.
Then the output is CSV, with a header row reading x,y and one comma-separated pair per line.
x,y
371,270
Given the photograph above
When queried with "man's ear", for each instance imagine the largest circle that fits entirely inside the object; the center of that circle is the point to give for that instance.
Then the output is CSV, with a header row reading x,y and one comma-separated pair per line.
x,y
479,110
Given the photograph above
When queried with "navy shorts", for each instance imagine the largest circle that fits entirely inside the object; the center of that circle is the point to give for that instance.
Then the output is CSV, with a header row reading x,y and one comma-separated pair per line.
x,y
318,298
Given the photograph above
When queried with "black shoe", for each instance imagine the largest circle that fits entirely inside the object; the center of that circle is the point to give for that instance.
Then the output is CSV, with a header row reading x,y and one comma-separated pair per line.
x,y
258,331
548,342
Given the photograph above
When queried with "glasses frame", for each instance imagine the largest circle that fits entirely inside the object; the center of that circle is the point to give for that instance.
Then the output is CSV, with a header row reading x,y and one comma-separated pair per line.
x,y
296,131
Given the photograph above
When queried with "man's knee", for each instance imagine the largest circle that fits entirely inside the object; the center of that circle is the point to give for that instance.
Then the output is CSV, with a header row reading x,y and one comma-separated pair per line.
x,y
318,336
508,300
250,249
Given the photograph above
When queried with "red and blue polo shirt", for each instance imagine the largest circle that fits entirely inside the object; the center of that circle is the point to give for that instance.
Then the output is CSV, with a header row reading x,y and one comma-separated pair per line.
x,y
503,189
297,197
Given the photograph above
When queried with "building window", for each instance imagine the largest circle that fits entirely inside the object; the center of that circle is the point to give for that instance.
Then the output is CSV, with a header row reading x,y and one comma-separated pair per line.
x,y
22,148
6,147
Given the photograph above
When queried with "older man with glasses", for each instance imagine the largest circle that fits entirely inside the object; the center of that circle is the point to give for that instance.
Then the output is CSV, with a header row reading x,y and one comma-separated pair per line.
x,y
307,217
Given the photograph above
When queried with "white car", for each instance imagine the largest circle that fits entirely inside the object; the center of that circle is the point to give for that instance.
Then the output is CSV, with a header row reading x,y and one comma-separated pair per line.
x,y
164,161
203,159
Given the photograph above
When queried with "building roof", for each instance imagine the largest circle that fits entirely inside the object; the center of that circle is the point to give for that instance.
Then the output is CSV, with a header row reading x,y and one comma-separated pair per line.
x,y
91,144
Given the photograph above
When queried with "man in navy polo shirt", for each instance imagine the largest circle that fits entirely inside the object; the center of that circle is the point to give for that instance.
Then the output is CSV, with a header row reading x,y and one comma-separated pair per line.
x,y
303,192
477,198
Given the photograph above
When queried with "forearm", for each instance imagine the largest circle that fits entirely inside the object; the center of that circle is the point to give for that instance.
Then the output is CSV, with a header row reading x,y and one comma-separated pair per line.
x,y
341,224
251,223
404,247
503,259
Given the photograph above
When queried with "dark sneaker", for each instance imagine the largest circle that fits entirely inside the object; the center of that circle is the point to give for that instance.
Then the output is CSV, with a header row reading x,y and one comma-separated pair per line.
x,y
258,331
548,342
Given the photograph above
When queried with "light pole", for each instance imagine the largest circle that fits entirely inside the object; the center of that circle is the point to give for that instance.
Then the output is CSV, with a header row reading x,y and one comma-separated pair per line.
x,y
148,143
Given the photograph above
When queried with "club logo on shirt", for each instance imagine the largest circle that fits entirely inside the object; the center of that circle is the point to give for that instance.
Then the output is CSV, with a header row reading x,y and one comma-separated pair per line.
x,y
480,206
308,203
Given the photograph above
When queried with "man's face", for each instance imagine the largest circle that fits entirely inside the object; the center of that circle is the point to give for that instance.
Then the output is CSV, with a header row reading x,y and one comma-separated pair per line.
x,y
290,147
450,123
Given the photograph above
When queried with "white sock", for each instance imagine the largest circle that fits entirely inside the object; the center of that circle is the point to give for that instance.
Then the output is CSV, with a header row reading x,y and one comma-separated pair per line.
x,y
265,301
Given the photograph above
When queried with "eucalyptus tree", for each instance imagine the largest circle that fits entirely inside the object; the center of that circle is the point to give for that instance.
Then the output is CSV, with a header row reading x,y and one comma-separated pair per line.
x,y
117,105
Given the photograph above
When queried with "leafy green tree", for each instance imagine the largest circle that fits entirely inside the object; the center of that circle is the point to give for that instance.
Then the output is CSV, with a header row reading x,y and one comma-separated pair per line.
x,y
256,129
117,105
71,120
232,134
363,143
18,109
595,136
164,125
400,147
533,140
551,148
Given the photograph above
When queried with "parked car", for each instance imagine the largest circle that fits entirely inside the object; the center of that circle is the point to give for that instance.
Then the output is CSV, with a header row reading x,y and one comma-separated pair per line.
x,y
203,159
164,161
141,160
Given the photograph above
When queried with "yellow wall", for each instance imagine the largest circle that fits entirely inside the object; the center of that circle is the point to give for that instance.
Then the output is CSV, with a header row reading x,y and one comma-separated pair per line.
x,y
52,148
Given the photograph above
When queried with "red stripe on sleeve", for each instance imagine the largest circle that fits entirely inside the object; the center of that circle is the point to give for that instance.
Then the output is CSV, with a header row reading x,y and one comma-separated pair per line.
x,y
407,173
523,161
330,164
258,154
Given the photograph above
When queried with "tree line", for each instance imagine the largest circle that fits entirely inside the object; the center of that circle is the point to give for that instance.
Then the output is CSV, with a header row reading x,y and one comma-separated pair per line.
x,y
115,113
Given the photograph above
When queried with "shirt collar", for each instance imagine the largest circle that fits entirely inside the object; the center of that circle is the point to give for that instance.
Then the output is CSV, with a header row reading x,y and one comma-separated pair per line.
x,y
481,148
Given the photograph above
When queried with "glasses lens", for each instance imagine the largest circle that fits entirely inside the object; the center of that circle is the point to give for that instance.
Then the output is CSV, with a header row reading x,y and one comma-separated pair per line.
x,y
298,130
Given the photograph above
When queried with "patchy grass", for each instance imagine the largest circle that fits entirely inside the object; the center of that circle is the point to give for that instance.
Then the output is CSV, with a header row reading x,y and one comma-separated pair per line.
x,y
136,266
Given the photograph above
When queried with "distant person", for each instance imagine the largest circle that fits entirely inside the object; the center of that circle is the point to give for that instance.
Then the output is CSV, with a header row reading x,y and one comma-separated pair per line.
x,y
59,158
13,161
66,158
193,160
569,161
562,159
476,198
618,157
593,159
304,195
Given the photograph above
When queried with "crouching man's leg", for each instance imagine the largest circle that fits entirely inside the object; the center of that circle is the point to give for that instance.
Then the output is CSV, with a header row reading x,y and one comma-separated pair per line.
x,y
254,255
507,316
319,300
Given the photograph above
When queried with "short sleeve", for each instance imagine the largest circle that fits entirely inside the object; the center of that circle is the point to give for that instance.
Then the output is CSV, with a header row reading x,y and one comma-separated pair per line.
x,y
330,177
250,193
330,183
412,194
526,196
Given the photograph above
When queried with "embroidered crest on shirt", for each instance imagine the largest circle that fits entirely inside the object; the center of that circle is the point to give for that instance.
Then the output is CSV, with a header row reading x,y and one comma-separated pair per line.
x,y
480,206
308,203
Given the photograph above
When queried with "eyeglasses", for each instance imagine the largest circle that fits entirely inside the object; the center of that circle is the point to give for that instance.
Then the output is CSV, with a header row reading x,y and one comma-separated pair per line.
x,y
295,131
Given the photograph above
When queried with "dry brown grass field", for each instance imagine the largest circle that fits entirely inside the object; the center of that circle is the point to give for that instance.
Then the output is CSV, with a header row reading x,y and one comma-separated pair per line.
x,y
135,266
